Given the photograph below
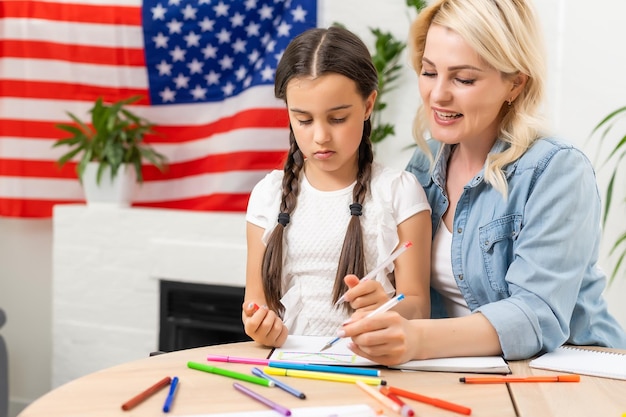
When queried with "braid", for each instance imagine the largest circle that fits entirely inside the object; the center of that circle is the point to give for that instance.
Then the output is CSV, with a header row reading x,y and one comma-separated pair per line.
x,y
352,258
272,269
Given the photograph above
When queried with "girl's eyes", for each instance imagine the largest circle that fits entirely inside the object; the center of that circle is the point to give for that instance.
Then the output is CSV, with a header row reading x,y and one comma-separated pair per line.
x,y
332,120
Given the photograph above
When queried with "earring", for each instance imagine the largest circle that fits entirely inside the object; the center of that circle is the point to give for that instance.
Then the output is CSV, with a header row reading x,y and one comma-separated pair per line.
x,y
510,101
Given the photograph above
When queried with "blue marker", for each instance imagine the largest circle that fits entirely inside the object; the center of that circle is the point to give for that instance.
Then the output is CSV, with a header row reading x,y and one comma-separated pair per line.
x,y
170,396
280,384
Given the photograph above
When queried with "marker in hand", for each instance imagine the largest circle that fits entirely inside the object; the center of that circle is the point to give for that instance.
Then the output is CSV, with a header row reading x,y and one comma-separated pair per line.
x,y
383,265
388,305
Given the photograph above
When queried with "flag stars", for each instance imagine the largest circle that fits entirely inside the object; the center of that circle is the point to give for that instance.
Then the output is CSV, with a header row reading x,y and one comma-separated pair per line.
x,y
174,3
237,20
221,9
195,67
207,25
192,39
299,14
209,51
181,81
167,95
178,54
253,56
270,46
175,26
223,36
198,93
250,4
239,46
160,40
241,73
266,12
283,29
189,12
164,68
228,89
158,12
212,78
226,62
267,74
253,29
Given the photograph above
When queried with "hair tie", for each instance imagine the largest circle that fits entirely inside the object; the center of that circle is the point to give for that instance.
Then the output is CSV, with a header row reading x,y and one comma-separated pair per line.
x,y
356,209
283,218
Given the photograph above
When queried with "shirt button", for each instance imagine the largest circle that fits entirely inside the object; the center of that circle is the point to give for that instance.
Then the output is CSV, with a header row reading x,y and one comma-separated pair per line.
x,y
486,243
460,277
459,230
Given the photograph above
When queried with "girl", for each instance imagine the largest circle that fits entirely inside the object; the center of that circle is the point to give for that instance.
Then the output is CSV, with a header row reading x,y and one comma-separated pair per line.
x,y
332,211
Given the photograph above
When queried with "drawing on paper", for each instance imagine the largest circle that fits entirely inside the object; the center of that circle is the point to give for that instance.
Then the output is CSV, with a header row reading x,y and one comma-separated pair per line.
x,y
317,357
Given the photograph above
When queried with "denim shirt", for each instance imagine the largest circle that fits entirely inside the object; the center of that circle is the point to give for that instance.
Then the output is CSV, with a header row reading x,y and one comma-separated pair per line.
x,y
528,263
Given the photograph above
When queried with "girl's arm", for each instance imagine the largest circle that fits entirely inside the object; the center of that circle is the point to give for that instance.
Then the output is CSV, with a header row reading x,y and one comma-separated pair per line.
x,y
262,325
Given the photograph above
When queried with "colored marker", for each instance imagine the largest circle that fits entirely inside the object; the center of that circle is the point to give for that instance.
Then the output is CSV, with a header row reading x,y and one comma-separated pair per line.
x,y
505,379
167,406
144,395
352,370
378,396
271,404
383,265
405,410
231,374
280,384
388,305
432,401
326,376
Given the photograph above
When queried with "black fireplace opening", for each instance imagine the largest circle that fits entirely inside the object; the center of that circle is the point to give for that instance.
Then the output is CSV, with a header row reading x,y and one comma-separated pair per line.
x,y
194,315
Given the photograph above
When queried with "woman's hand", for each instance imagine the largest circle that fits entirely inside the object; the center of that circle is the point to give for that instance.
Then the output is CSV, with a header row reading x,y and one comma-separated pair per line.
x,y
263,325
386,338
364,295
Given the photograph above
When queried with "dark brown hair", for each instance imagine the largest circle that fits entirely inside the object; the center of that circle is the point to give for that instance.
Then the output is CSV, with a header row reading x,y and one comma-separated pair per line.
x,y
311,54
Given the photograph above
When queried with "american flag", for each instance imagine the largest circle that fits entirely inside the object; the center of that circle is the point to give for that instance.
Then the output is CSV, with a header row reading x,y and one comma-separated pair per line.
x,y
205,69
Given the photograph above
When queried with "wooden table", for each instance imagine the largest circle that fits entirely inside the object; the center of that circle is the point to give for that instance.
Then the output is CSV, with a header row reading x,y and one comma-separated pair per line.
x,y
101,394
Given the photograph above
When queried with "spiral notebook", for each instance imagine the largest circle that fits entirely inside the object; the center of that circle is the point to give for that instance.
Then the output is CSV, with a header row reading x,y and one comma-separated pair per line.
x,y
582,361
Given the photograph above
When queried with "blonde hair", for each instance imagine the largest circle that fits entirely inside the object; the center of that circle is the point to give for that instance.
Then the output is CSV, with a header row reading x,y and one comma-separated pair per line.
x,y
506,35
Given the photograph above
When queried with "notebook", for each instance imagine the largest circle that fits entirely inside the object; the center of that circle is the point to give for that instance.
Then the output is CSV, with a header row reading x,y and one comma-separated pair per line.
x,y
585,362
306,349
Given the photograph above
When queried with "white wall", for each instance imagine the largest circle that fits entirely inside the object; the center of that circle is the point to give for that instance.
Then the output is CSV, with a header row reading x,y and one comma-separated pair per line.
x,y
586,81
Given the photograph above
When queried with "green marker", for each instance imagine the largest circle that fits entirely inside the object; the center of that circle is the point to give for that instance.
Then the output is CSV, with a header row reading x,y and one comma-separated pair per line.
x,y
231,374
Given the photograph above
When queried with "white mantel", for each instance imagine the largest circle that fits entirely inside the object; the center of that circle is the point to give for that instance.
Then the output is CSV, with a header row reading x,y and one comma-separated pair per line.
x,y
107,263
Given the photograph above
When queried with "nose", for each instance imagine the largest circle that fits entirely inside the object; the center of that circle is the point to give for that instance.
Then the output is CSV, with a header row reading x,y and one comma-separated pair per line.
x,y
321,133
440,92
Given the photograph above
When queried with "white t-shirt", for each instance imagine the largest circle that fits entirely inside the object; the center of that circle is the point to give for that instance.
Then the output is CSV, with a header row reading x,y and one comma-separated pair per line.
x,y
315,235
442,278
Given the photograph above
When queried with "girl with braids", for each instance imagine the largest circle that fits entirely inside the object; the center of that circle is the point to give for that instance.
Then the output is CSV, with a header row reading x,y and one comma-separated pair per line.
x,y
331,212
516,213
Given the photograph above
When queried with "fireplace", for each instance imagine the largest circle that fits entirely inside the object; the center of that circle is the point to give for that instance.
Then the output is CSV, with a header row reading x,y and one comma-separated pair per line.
x,y
194,315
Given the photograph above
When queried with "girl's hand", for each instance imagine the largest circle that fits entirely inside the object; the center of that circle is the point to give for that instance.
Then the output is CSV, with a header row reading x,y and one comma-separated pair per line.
x,y
386,338
263,325
364,295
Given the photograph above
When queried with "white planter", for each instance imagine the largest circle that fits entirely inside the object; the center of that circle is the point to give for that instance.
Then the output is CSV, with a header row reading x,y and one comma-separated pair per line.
x,y
118,192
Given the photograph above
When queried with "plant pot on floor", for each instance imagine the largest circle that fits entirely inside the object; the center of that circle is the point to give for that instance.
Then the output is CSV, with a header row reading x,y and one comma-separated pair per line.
x,y
116,192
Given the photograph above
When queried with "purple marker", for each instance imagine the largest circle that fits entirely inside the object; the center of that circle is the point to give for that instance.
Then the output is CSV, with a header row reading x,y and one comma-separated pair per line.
x,y
271,404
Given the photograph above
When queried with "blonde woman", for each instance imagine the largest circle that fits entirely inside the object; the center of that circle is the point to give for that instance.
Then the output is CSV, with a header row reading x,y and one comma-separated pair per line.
x,y
515,213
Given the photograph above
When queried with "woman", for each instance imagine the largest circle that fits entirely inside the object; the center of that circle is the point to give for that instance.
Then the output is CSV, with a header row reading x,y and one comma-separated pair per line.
x,y
331,211
515,214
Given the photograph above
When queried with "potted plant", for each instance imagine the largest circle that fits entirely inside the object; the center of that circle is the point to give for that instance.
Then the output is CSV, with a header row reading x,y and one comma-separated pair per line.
x,y
615,160
110,150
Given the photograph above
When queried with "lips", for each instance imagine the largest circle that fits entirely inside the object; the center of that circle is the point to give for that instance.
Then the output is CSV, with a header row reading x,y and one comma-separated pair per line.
x,y
447,115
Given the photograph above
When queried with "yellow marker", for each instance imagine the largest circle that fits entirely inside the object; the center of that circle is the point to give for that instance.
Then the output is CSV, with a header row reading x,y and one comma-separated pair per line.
x,y
324,376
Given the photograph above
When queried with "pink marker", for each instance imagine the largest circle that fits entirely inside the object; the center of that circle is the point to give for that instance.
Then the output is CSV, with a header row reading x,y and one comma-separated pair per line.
x,y
383,265
237,359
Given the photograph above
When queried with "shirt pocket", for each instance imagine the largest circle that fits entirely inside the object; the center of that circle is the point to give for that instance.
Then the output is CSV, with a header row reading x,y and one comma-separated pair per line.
x,y
496,242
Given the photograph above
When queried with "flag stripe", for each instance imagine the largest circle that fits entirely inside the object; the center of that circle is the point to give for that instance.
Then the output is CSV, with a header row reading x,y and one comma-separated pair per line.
x,y
111,14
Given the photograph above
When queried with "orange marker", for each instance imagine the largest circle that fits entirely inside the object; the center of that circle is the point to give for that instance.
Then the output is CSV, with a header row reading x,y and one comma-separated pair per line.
x,y
432,401
505,379
405,410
